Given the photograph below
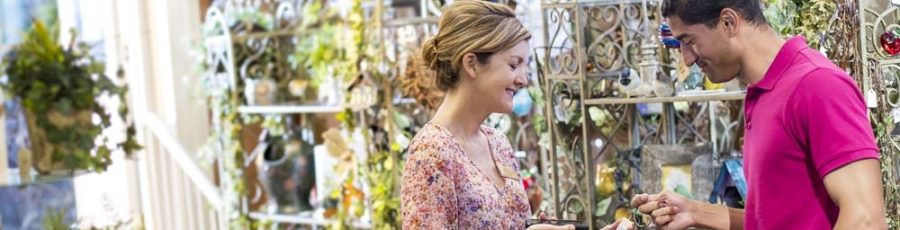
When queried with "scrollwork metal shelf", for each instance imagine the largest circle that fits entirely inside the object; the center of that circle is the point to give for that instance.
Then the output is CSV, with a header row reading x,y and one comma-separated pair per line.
x,y
309,221
289,109
305,109
716,96
584,41
410,21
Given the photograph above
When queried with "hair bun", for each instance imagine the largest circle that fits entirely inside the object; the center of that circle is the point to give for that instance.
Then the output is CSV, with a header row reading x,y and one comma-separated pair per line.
x,y
429,53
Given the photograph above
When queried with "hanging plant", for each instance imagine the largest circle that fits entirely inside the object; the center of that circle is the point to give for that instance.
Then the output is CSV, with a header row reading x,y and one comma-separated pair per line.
x,y
61,90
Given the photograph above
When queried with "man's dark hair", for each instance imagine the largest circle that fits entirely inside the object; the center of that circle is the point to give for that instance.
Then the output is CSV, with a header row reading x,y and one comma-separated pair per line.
x,y
707,12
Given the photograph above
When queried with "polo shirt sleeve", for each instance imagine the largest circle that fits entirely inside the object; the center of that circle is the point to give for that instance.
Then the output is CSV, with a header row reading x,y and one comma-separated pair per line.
x,y
829,117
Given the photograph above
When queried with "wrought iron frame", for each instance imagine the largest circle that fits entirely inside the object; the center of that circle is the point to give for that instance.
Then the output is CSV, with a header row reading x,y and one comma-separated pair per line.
x,y
875,66
851,41
586,40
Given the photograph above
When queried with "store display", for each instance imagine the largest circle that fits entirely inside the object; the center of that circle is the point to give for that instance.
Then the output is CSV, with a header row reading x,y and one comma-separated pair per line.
x,y
603,141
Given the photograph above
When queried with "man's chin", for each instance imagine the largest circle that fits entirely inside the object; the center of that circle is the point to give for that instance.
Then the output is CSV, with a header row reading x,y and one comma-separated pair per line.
x,y
719,80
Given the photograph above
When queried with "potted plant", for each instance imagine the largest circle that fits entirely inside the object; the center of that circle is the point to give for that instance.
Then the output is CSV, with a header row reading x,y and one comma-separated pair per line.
x,y
59,88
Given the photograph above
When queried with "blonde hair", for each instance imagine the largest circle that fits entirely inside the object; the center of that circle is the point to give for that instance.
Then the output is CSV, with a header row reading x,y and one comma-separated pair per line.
x,y
470,26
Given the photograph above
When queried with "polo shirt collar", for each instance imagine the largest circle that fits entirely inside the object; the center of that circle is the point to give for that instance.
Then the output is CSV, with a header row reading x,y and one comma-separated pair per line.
x,y
782,61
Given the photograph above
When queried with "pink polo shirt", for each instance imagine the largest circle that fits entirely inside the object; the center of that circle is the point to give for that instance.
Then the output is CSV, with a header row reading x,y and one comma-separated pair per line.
x,y
803,120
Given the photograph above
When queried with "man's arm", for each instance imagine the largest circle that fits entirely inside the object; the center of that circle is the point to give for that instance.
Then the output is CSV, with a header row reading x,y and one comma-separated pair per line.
x,y
856,189
677,212
718,216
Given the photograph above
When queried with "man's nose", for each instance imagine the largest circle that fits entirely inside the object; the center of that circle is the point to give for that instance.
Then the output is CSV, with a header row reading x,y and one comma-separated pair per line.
x,y
687,53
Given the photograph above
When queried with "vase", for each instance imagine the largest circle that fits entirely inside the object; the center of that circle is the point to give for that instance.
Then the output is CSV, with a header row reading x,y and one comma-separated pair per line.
x,y
287,173
306,170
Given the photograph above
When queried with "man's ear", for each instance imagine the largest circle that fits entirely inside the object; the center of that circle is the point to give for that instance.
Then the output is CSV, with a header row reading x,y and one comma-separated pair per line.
x,y
728,19
469,61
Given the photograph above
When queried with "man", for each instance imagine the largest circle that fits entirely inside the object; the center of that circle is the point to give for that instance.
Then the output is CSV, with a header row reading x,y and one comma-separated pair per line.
x,y
810,157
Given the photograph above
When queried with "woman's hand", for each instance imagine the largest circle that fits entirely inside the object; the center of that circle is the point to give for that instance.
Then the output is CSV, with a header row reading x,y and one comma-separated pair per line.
x,y
551,227
621,224
543,216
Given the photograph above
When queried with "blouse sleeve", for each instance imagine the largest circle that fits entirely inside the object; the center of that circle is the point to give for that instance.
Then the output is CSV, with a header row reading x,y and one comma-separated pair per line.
x,y
428,197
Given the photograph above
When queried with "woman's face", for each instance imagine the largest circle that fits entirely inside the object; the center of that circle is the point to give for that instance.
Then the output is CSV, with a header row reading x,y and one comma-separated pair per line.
x,y
498,81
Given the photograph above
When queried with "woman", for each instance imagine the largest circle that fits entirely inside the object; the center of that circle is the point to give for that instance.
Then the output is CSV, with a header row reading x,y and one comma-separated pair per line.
x,y
460,174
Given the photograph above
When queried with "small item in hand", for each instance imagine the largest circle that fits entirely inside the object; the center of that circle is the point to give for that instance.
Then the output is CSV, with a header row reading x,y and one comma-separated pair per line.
x,y
624,224
639,220
579,225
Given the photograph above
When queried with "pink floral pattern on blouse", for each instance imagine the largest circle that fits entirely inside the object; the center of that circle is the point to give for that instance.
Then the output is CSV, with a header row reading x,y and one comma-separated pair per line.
x,y
443,189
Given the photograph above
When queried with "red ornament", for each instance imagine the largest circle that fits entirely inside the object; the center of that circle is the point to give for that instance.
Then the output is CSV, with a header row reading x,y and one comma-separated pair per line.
x,y
890,41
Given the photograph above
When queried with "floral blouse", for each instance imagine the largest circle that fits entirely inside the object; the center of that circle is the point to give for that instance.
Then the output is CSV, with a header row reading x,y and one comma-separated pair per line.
x,y
443,189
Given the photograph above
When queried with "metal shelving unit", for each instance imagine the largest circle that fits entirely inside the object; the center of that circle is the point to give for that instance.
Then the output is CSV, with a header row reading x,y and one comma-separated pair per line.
x,y
289,109
313,222
716,96
587,39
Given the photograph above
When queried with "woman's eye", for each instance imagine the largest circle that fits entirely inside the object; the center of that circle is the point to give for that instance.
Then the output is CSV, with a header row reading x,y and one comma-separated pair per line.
x,y
513,67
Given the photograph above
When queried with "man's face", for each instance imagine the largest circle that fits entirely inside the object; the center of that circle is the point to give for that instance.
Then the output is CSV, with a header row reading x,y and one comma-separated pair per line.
x,y
710,48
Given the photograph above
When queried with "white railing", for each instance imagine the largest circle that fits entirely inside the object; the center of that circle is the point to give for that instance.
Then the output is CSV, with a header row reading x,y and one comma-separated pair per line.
x,y
180,194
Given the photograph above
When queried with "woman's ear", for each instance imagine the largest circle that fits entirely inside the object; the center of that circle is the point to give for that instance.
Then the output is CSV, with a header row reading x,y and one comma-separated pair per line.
x,y
469,61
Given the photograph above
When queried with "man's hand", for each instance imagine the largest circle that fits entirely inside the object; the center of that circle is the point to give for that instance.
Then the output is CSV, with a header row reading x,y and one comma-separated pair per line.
x,y
672,211
668,209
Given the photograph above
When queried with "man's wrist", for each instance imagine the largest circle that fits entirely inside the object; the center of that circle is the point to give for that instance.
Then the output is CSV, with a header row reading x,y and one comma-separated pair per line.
x,y
710,216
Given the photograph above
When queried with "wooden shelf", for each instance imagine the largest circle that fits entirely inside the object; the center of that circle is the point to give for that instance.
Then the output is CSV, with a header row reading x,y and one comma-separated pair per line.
x,y
693,97
290,109
306,109
402,101
303,220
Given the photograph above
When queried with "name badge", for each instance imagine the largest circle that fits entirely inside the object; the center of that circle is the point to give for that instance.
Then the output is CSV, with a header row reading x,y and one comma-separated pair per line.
x,y
507,172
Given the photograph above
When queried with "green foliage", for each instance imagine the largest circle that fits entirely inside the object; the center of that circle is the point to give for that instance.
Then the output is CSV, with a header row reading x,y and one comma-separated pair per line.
x,y
66,82
55,219
813,18
384,169
331,46
800,17
781,15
